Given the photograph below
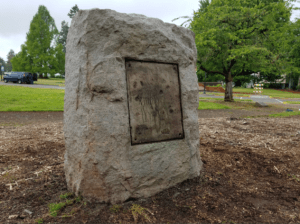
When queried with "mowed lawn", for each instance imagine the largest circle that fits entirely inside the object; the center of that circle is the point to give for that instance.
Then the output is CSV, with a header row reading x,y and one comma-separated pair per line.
x,y
31,99
211,106
51,81
268,92
219,104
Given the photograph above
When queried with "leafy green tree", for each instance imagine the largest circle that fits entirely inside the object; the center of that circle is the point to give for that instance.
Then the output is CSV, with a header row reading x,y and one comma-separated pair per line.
x,y
10,55
62,36
59,63
203,4
22,61
73,11
235,37
294,54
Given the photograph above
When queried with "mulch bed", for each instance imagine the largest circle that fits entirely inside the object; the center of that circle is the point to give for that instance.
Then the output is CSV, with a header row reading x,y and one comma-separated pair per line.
x,y
250,174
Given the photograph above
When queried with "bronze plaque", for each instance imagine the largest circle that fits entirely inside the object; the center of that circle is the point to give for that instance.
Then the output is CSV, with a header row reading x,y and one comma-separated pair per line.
x,y
154,102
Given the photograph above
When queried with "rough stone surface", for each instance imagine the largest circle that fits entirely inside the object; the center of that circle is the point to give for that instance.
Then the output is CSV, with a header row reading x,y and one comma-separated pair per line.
x,y
100,161
260,104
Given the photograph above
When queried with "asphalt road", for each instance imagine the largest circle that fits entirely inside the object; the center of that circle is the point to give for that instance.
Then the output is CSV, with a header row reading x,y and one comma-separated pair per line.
x,y
31,86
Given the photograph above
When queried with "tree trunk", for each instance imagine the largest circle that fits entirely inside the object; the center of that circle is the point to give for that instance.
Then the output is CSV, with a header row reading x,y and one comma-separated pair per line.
x,y
228,89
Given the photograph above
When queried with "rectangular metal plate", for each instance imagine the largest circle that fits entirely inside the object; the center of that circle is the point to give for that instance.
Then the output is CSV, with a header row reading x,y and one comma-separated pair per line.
x,y
154,102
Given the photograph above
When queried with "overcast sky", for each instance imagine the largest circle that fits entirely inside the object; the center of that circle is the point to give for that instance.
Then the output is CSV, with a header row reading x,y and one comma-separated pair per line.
x,y
16,15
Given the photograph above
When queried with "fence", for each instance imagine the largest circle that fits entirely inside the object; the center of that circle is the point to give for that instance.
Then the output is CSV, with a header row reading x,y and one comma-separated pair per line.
x,y
210,83
209,89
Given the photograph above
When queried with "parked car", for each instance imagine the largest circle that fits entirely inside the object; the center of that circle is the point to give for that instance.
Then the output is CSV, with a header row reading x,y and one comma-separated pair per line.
x,y
20,77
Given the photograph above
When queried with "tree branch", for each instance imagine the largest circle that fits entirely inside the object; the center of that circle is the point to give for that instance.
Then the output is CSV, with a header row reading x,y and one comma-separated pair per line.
x,y
212,72
232,63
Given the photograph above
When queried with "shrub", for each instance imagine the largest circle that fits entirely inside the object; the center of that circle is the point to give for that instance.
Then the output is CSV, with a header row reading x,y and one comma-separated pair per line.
x,y
55,207
298,87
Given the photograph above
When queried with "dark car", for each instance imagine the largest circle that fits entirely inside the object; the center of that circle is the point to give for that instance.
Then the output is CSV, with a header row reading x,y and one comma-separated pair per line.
x,y
20,77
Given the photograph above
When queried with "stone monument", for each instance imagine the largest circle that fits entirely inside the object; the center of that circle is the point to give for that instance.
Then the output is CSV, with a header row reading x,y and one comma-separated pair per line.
x,y
131,97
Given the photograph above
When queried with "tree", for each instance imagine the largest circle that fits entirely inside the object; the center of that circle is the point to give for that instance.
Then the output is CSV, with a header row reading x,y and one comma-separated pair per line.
x,y
62,36
73,11
241,37
3,63
62,39
203,4
38,52
41,53
22,61
10,55
59,59
294,55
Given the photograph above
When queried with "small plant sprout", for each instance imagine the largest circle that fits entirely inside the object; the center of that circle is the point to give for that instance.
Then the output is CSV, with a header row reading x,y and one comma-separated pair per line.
x,y
69,202
55,207
66,195
294,177
115,208
39,221
138,210
78,199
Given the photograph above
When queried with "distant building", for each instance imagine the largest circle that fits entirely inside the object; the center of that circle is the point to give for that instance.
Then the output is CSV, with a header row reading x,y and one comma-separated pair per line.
x,y
283,81
251,83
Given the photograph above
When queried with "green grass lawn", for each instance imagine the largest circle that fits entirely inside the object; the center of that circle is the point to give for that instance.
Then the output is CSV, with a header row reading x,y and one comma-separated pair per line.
x,y
211,106
269,92
13,98
51,81
292,102
285,114
221,99
215,93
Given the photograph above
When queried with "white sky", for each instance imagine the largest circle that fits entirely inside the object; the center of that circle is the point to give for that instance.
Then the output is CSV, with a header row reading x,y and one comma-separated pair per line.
x,y
16,15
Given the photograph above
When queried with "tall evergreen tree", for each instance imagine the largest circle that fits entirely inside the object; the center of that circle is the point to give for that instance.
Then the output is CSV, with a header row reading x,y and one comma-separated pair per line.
x,y
3,63
10,55
73,11
22,61
39,38
41,52
62,36
60,59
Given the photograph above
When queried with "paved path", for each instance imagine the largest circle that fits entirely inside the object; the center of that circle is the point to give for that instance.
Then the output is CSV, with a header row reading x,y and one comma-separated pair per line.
x,y
264,99
31,86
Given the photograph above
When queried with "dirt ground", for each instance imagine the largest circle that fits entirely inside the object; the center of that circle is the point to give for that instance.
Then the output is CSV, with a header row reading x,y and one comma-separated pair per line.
x,y
250,174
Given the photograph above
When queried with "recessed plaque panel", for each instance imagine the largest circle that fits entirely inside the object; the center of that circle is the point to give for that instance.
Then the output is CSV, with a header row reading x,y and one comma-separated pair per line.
x,y
154,102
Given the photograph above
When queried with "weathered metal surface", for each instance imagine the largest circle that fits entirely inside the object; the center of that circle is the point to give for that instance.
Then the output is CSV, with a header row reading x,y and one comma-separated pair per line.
x,y
154,102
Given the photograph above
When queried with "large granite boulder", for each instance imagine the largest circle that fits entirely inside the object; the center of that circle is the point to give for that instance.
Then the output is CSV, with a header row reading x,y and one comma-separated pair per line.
x,y
131,97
